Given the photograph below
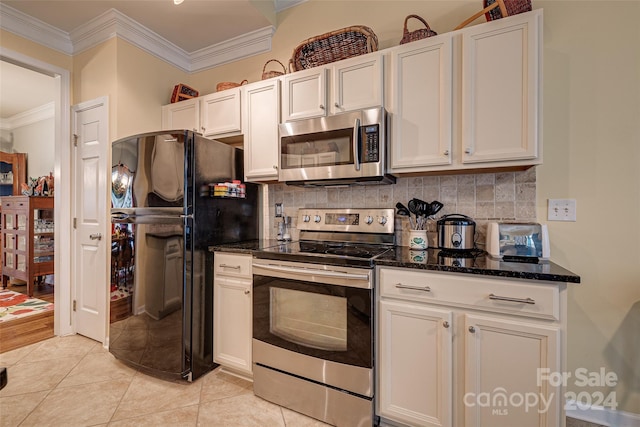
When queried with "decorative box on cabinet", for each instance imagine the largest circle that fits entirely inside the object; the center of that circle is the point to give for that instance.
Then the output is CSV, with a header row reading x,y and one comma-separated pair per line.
x,y
232,327
27,239
446,339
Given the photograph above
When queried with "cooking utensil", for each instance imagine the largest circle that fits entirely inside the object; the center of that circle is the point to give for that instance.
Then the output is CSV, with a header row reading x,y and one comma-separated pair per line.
x,y
435,207
402,209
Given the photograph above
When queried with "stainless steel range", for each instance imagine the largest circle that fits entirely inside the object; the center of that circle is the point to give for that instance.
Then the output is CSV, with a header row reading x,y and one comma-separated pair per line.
x,y
313,315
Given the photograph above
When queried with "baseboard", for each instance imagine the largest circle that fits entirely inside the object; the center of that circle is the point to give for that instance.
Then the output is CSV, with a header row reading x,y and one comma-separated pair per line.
x,y
601,415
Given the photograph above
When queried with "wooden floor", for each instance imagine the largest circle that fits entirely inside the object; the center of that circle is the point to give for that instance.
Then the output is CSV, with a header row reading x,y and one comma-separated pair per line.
x,y
31,329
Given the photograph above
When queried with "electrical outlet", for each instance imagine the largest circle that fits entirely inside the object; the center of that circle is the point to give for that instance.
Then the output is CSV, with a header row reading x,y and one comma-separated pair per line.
x,y
278,210
562,210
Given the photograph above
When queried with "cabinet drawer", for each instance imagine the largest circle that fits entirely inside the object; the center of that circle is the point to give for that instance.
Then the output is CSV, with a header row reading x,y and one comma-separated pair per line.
x,y
15,203
472,291
232,264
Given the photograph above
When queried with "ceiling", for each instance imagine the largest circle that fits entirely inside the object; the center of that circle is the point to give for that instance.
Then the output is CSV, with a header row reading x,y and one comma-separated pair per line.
x,y
191,26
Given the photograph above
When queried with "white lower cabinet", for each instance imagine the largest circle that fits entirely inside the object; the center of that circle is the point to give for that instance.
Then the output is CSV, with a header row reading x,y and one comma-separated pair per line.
x,y
416,344
467,350
232,318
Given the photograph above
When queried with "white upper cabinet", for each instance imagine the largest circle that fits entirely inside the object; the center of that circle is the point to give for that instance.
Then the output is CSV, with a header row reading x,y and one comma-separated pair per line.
x,y
353,84
501,84
182,115
220,113
260,120
305,94
357,83
468,99
420,88
213,115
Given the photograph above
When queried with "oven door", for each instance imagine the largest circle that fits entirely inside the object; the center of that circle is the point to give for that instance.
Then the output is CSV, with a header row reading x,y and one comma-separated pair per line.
x,y
320,311
344,146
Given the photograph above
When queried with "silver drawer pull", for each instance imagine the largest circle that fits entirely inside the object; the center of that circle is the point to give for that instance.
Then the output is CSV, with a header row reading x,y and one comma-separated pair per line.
x,y
413,288
235,267
96,236
518,300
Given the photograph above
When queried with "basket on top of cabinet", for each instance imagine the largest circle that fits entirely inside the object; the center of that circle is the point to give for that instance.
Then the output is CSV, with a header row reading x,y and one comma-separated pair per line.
x,y
333,46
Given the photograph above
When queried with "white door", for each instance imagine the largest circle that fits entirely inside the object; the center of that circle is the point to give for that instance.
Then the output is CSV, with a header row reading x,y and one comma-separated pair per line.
x,y
90,288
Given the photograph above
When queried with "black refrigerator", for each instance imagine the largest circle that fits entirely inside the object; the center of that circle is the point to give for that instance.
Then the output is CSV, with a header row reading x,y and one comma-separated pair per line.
x,y
173,195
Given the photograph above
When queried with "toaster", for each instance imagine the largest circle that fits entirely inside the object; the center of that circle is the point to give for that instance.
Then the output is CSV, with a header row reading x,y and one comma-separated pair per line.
x,y
518,241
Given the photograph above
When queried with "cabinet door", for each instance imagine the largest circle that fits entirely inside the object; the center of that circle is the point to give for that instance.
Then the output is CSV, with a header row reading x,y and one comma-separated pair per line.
x,y
357,83
182,115
220,113
421,118
261,116
232,326
415,364
503,359
305,94
500,89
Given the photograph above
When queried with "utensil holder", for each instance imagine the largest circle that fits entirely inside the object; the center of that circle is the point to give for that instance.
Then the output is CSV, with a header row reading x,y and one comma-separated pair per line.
x,y
418,239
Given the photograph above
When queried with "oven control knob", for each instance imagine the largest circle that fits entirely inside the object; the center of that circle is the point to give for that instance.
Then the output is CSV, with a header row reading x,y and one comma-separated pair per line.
x,y
306,218
382,220
316,218
368,219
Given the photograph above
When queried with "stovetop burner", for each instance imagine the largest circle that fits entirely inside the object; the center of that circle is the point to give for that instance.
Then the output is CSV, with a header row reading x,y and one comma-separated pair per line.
x,y
338,236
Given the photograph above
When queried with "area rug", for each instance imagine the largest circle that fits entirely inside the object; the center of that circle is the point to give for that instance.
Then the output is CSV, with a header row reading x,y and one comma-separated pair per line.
x,y
14,305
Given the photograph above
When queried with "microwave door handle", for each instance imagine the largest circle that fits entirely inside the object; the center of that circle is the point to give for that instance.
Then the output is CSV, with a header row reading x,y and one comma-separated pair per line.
x,y
356,144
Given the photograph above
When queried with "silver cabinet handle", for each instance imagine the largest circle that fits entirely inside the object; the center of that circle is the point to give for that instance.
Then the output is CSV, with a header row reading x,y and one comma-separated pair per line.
x,y
321,107
446,152
445,324
96,236
247,292
337,105
275,167
468,150
235,267
510,299
414,288
472,329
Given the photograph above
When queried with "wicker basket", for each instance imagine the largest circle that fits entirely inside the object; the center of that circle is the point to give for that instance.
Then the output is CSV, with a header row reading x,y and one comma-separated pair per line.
x,y
514,7
268,74
422,33
333,46
229,85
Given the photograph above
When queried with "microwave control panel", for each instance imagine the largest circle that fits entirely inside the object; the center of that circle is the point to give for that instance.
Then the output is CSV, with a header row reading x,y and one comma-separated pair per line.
x,y
371,145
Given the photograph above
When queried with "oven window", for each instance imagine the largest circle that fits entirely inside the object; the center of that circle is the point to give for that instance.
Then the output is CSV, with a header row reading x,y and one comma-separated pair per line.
x,y
313,320
325,321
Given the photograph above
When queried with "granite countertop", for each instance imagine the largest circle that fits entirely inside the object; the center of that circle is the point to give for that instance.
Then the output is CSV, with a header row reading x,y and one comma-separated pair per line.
x,y
437,260
481,263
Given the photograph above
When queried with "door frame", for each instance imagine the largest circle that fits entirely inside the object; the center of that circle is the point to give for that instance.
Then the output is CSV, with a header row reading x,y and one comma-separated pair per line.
x,y
62,175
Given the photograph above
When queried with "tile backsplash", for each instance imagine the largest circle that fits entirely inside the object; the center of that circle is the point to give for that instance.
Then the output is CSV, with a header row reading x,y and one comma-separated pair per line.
x,y
484,197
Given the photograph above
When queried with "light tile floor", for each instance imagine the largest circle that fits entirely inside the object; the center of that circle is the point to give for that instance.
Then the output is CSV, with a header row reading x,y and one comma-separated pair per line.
x,y
74,381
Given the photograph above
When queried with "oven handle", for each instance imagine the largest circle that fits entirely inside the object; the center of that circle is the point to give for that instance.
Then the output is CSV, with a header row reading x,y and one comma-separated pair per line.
x,y
306,272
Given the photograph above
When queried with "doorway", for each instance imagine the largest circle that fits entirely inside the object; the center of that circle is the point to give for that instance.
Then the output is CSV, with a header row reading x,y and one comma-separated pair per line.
x,y
61,172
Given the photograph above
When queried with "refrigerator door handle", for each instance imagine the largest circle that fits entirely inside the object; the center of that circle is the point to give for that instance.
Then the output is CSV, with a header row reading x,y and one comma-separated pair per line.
x,y
147,219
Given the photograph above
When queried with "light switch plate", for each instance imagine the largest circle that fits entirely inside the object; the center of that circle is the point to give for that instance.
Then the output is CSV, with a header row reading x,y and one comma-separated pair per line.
x,y
278,210
562,210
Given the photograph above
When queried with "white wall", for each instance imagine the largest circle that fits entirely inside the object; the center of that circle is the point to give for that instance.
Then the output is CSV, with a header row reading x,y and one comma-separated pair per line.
x,y
38,141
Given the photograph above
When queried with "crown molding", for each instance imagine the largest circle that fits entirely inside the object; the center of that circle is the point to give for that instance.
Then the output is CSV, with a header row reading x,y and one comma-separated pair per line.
x,y
33,29
113,23
43,112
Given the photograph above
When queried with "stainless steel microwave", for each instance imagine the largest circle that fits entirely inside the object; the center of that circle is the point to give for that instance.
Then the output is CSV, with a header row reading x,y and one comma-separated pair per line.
x,y
342,149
